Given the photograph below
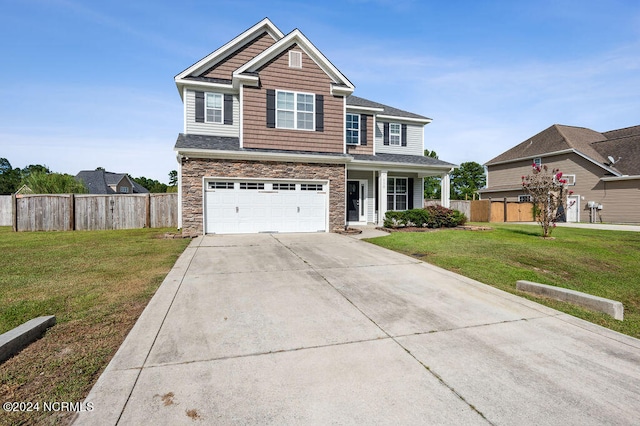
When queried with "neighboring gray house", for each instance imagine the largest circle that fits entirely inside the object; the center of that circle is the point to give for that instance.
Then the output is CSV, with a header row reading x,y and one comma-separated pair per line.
x,y
102,182
602,169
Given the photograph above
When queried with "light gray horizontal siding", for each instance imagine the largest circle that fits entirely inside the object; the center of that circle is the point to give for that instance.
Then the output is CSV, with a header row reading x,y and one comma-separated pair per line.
x,y
415,140
211,128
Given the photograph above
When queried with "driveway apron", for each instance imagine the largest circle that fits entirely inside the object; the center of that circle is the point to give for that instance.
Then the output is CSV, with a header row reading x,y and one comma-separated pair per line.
x,y
328,329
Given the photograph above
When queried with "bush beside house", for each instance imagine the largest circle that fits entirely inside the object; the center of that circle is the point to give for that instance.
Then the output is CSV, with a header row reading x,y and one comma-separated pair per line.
x,y
429,217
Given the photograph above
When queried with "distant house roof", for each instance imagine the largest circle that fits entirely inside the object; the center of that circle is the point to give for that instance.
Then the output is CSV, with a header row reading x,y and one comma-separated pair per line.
x,y
100,181
386,109
554,139
622,145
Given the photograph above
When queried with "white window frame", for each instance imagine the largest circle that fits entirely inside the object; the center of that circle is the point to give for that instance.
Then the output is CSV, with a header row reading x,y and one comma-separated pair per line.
x,y
537,161
393,205
524,198
571,179
124,189
393,134
354,132
295,111
207,108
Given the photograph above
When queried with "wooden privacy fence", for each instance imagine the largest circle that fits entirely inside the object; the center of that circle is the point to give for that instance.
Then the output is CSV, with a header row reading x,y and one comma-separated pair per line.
x,y
6,210
500,211
90,212
491,211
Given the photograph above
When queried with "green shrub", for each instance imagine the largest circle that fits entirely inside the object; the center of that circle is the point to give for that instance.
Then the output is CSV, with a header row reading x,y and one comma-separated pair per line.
x,y
416,217
394,219
429,217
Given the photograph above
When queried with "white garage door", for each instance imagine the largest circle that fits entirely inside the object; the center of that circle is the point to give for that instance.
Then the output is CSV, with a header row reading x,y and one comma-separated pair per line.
x,y
249,206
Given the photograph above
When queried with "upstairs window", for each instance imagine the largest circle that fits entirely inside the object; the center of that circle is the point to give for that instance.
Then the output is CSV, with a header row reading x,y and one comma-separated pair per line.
x,y
213,108
537,161
295,110
395,134
353,129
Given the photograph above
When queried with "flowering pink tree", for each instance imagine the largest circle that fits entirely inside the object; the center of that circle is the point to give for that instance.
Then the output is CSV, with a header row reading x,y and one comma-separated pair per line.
x,y
547,193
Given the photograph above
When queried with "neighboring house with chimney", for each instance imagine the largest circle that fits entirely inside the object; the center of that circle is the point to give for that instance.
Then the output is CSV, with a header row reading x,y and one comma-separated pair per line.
x,y
602,169
274,141
100,181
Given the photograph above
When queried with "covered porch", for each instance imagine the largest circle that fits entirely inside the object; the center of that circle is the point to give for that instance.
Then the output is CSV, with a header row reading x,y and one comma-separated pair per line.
x,y
372,191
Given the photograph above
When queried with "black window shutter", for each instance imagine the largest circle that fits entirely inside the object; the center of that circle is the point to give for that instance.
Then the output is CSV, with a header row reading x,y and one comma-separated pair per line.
x,y
228,109
199,107
271,108
385,139
410,193
319,113
363,130
404,135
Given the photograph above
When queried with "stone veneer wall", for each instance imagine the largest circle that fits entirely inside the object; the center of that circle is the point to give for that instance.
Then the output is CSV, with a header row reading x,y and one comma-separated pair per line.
x,y
193,170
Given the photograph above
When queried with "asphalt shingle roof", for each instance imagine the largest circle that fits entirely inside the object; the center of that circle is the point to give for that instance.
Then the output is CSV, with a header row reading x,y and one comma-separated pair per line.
x,y
387,110
555,138
98,181
623,145
222,143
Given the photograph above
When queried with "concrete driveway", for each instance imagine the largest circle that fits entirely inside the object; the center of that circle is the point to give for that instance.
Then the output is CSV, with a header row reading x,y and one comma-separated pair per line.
x,y
328,329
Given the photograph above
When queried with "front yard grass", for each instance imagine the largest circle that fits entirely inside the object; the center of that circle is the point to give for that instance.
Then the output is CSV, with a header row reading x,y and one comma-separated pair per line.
x,y
601,263
96,283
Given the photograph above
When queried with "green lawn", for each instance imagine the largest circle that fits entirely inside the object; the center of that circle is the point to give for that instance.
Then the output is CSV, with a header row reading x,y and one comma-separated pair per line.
x,y
96,283
601,263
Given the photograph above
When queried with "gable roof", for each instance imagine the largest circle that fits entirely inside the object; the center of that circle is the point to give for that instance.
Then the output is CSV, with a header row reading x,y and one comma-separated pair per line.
x,y
341,83
247,73
98,181
384,110
219,54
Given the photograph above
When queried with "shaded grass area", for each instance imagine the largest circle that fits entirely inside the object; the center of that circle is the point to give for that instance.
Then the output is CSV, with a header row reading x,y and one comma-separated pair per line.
x,y
601,263
96,284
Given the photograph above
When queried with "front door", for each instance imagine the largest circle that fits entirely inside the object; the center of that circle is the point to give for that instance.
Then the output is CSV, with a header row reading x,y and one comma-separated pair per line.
x,y
353,201
573,208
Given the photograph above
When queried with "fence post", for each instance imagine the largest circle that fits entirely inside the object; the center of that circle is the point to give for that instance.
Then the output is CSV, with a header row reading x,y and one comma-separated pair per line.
x,y
505,209
489,211
72,212
14,212
147,218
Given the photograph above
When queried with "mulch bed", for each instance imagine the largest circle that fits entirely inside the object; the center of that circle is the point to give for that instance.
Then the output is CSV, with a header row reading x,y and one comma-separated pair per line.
x,y
417,229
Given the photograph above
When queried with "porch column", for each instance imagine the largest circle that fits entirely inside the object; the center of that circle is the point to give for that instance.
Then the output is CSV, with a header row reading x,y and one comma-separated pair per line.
x,y
382,196
445,184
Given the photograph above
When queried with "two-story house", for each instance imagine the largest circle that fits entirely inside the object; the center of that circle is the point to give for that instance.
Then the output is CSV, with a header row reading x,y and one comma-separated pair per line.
x,y
602,171
274,141
100,181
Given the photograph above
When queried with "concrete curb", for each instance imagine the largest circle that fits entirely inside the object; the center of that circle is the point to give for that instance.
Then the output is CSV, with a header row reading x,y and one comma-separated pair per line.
x,y
600,304
15,340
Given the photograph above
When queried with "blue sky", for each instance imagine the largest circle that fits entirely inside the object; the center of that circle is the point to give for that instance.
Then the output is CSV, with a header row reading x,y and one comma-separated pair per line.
x,y
90,83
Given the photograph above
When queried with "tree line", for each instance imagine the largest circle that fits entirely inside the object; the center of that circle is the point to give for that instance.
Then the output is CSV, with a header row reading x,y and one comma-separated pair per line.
x,y
466,180
41,180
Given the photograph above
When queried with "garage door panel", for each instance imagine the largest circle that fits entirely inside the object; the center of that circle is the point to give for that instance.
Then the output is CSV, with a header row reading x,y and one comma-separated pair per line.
x,y
235,210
